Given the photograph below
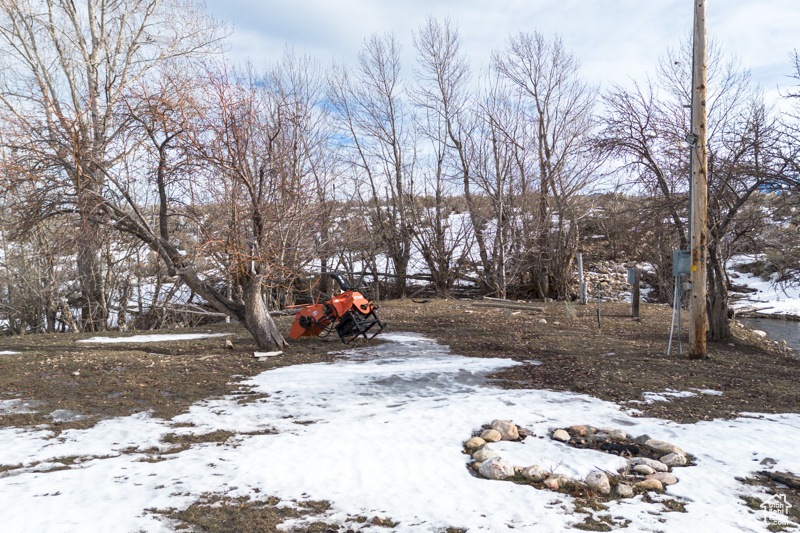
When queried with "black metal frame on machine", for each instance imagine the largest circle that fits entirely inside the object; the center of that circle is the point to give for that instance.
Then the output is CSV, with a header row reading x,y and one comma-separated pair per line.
x,y
351,325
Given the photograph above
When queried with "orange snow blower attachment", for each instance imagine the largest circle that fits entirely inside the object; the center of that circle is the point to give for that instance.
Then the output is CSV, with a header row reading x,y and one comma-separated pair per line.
x,y
349,312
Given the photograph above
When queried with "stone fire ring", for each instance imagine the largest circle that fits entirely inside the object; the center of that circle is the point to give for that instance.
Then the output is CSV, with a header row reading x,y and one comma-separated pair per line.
x,y
650,461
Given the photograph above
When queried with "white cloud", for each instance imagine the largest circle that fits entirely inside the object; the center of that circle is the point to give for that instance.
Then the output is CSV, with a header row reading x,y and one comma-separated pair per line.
x,y
614,40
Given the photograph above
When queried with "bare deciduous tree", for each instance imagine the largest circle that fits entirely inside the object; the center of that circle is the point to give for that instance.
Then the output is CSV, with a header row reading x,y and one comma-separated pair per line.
x,y
644,127
441,95
559,106
373,113
66,67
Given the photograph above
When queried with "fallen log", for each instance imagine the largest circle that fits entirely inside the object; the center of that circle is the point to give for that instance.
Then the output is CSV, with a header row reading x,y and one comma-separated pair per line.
x,y
787,478
502,300
503,305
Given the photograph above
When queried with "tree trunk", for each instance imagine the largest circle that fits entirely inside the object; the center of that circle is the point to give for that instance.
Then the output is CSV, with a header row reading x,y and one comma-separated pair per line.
x,y
94,312
67,318
719,324
401,269
257,320
124,297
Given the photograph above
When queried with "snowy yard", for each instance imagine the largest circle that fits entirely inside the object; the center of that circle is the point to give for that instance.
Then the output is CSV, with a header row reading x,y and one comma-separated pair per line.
x,y
379,432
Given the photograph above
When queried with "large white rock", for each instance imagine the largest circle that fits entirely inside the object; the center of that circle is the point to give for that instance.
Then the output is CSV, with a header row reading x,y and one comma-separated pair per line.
x,y
484,454
598,482
535,473
618,435
496,468
663,448
650,484
623,491
473,444
561,435
507,429
658,466
674,459
664,477
644,470
555,481
491,435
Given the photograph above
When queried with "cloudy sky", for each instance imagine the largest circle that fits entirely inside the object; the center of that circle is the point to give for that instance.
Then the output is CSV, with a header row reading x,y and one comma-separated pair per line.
x,y
614,39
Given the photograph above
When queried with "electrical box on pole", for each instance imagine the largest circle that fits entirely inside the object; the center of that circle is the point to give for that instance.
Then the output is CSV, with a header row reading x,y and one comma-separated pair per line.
x,y
699,188
681,263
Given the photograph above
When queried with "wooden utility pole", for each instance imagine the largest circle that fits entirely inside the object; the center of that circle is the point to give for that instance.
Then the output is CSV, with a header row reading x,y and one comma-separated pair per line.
x,y
699,207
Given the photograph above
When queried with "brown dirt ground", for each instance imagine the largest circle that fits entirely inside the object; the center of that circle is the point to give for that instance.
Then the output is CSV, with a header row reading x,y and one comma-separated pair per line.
x,y
121,379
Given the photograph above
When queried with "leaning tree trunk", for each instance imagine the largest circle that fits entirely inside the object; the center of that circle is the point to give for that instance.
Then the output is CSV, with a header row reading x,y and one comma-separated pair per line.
x,y
719,326
256,316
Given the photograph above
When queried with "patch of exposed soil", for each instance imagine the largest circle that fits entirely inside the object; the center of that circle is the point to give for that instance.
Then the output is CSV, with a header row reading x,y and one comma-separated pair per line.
x,y
222,514
110,380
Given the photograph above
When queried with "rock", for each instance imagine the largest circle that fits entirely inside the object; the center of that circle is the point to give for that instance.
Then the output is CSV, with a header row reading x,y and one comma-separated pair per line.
x,y
496,468
542,321
524,433
674,459
598,482
618,435
473,444
506,428
665,478
658,466
535,473
228,344
760,333
641,439
623,491
484,454
580,431
649,484
561,435
491,435
663,448
644,470
76,373
555,481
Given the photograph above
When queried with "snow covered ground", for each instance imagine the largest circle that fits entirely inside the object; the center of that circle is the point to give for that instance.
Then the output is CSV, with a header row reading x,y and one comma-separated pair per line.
x,y
381,434
771,298
153,338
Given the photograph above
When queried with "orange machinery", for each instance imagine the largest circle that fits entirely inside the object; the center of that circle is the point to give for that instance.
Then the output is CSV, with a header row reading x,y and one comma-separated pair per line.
x,y
349,312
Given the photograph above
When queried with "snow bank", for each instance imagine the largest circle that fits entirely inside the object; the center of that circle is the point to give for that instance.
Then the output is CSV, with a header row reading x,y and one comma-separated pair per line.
x,y
771,297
